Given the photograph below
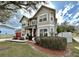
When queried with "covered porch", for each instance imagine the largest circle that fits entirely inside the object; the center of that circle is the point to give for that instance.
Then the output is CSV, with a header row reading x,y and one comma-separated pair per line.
x,y
31,31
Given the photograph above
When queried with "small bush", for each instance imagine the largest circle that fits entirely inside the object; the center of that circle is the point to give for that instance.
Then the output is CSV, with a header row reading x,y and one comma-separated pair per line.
x,y
53,42
37,39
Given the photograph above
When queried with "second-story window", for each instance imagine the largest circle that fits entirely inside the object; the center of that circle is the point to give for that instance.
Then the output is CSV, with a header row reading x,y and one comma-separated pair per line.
x,y
40,20
33,22
43,18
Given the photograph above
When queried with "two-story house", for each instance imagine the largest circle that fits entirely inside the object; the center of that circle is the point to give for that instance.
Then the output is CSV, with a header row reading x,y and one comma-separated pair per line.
x,y
43,23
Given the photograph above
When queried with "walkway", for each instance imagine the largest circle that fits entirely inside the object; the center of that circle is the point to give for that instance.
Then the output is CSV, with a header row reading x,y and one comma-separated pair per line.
x,y
1,40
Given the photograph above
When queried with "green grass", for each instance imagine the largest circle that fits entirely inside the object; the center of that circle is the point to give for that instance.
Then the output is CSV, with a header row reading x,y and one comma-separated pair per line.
x,y
75,49
13,49
2,36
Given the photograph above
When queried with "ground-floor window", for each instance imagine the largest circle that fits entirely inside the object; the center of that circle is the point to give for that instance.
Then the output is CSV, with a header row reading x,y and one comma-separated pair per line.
x,y
43,32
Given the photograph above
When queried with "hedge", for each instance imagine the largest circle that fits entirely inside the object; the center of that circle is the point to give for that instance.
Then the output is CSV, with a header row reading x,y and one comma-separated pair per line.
x,y
54,42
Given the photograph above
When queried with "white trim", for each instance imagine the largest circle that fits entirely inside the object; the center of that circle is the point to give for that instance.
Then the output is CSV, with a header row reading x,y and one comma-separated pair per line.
x,y
43,14
45,25
50,17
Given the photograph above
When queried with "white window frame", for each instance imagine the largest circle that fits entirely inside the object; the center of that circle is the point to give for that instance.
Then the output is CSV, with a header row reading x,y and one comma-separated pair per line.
x,y
43,33
42,15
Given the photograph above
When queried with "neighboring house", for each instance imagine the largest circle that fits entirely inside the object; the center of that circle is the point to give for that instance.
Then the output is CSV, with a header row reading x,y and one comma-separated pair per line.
x,y
5,29
43,23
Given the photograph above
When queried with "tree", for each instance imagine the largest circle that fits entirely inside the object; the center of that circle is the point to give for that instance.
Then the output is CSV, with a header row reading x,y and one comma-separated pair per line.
x,y
7,7
4,15
60,29
65,27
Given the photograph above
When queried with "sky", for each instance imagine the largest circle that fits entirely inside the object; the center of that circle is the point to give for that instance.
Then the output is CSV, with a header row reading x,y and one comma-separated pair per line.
x,y
65,11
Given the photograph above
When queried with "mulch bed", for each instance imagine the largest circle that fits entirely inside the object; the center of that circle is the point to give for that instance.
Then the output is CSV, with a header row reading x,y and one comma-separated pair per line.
x,y
48,51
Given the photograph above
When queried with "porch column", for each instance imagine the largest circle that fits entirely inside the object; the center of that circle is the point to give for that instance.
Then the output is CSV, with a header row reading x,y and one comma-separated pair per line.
x,y
32,31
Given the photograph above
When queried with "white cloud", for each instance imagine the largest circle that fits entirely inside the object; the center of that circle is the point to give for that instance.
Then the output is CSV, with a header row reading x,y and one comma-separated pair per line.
x,y
75,19
15,17
61,13
76,15
69,15
19,27
67,8
59,17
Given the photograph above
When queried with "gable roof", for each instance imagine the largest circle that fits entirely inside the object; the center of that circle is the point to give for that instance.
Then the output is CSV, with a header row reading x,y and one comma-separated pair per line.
x,y
21,19
41,8
38,11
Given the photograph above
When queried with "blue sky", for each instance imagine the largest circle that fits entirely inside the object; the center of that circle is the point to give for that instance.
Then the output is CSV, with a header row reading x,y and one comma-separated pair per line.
x,y
65,11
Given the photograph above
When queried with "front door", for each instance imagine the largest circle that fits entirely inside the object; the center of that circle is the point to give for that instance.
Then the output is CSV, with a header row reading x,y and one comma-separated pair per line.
x,y
32,33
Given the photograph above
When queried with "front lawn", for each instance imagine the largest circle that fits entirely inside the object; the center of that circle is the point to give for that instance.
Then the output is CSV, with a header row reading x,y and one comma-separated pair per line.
x,y
13,49
10,49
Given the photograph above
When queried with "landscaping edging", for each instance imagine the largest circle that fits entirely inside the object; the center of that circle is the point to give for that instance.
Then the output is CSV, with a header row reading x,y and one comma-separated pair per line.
x,y
58,53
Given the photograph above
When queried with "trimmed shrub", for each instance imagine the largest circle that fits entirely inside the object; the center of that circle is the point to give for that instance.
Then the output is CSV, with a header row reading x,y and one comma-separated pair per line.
x,y
54,42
